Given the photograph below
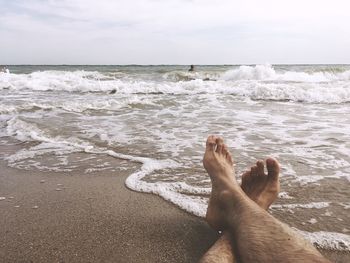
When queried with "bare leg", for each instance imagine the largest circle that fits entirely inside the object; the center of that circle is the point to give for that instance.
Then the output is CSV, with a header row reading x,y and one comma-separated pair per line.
x,y
261,188
221,251
257,235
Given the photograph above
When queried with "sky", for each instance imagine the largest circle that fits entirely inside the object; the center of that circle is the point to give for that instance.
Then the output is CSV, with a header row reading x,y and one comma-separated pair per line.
x,y
174,32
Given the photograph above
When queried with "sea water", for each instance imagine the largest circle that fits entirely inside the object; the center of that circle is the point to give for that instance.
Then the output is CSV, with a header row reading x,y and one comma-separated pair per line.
x,y
160,116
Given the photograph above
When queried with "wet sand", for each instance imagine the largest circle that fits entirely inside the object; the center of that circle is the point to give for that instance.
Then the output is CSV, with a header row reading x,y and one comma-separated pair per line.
x,y
76,217
93,218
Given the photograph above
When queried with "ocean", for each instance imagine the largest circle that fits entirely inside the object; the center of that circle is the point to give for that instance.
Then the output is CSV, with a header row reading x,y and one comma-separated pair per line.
x,y
158,118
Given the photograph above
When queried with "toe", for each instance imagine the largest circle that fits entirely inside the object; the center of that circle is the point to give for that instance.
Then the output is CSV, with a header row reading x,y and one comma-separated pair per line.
x,y
260,168
254,171
224,149
273,168
246,179
229,157
220,145
211,143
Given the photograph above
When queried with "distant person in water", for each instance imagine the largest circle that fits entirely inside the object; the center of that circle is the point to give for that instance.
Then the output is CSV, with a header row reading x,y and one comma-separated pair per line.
x,y
250,233
192,70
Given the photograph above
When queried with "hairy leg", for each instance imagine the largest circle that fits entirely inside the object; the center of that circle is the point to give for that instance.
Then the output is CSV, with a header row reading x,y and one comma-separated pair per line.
x,y
261,188
221,252
257,235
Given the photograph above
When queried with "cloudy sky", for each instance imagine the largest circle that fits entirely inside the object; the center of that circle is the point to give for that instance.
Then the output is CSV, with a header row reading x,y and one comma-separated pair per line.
x,y
174,31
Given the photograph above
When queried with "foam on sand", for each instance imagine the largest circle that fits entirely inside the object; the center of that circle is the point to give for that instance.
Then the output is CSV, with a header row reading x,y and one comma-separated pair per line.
x,y
284,195
57,145
328,240
315,205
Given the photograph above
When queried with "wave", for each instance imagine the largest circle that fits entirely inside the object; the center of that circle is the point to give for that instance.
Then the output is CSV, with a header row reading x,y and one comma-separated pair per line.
x,y
268,73
78,105
79,81
188,76
261,82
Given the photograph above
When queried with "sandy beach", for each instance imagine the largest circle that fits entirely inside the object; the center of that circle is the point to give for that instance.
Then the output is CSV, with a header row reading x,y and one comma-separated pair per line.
x,y
65,217
92,218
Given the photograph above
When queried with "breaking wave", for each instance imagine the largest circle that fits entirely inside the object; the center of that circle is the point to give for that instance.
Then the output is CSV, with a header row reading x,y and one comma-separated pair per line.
x,y
268,73
260,82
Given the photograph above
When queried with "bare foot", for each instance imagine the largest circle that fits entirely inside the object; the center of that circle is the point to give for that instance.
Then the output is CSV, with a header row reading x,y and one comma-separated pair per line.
x,y
262,188
219,165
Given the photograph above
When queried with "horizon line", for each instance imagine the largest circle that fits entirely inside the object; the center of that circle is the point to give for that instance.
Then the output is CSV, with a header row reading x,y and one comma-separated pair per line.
x,y
132,64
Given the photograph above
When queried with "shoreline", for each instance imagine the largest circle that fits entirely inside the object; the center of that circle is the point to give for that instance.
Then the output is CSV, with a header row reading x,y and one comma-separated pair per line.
x,y
77,217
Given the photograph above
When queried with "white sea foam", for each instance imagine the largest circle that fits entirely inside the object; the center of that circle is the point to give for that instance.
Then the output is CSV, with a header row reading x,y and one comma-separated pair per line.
x,y
169,191
305,180
284,195
59,146
268,73
345,205
261,82
186,76
77,105
328,240
316,205
312,221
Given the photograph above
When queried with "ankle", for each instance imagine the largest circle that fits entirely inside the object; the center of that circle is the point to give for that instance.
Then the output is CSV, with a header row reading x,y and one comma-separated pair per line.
x,y
233,200
224,182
